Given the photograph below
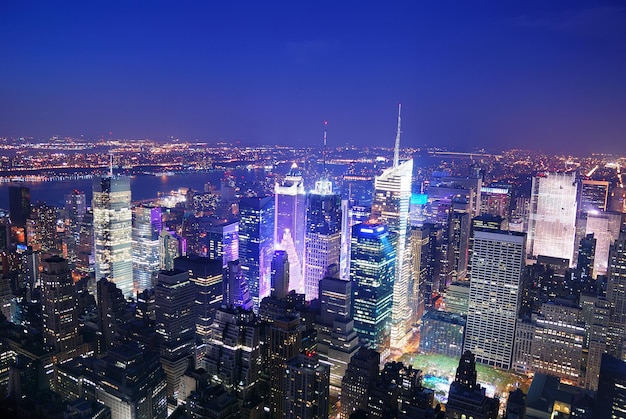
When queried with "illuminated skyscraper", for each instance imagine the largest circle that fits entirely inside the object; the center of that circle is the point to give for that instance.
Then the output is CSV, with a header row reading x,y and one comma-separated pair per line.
x,y
256,245
75,209
392,195
146,228
552,218
235,288
372,272
59,307
605,226
616,295
171,246
112,224
41,228
289,225
594,195
494,299
323,235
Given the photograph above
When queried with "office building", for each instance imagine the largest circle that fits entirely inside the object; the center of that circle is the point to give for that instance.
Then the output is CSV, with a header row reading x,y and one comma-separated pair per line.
x,y
442,332
390,206
289,223
175,324
41,229
285,337
594,196
337,341
494,299
360,375
466,397
496,200
550,397
19,205
372,272
147,226
256,245
306,388
552,218
611,395
112,225
233,355
171,246
616,295
420,287
235,287
605,227
59,307
207,278
322,237
75,210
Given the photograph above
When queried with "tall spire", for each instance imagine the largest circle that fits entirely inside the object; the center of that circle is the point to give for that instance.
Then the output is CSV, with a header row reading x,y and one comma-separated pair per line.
x,y
111,165
324,151
396,151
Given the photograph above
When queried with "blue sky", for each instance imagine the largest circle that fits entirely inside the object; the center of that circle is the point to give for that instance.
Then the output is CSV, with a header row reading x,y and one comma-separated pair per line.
x,y
493,74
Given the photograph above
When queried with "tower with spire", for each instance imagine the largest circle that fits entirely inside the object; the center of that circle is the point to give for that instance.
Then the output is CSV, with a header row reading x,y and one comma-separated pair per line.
x,y
323,231
390,206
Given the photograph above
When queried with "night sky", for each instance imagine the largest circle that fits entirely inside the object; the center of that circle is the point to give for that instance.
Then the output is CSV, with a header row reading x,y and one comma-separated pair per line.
x,y
548,75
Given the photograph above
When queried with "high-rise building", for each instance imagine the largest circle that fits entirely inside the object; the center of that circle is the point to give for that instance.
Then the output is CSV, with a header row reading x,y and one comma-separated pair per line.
x,y
233,355
235,289
75,210
421,289
616,295
306,388
207,276
594,195
285,337
256,245
390,206
59,307
337,341
19,205
495,201
85,263
611,395
175,324
360,375
372,272
221,240
279,274
494,299
41,229
112,224
171,246
147,224
323,235
289,224
552,218
605,227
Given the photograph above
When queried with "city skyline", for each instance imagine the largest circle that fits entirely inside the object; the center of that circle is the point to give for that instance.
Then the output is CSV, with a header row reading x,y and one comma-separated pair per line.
x,y
547,76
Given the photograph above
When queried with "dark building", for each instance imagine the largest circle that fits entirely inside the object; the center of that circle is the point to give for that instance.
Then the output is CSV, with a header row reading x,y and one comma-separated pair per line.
x,y
466,398
360,375
19,205
306,388
442,332
611,395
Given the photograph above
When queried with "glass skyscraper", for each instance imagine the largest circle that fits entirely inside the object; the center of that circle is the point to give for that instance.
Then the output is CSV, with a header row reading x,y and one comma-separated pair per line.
x,y
392,195
289,225
323,235
372,272
112,224
552,218
256,245
146,229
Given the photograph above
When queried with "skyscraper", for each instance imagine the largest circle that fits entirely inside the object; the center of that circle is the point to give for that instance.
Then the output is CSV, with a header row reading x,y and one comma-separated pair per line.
x,y
594,195
323,235
289,225
256,245
306,388
175,325
616,295
19,205
497,266
41,229
552,218
112,224
372,272
147,225
235,289
59,307
392,195
360,375
75,210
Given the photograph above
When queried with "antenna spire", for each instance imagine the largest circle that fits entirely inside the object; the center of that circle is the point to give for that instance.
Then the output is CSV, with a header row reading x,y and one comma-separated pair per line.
x,y
396,150
324,151
111,164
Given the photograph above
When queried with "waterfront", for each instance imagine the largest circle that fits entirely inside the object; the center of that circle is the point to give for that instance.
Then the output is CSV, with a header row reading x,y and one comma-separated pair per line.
x,y
142,186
